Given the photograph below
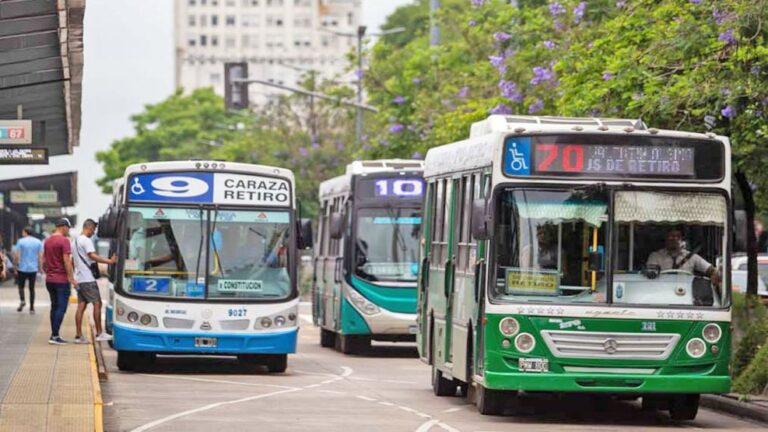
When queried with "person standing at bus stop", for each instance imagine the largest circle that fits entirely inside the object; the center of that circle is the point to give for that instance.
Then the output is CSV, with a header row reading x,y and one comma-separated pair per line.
x,y
86,272
28,253
57,265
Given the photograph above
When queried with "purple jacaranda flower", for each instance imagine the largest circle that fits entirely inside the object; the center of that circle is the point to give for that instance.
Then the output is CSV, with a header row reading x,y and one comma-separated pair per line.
x,y
500,109
472,23
384,142
556,9
677,19
416,155
535,107
727,37
578,12
303,152
359,74
509,90
396,128
416,81
721,17
477,3
501,36
694,1
607,76
620,4
541,74
755,70
638,96
497,61
340,146
463,92
364,138
728,112
398,100
549,44
315,145
366,147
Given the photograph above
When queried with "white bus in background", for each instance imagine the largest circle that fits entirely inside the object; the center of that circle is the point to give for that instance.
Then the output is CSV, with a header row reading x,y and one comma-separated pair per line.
x,y
207,259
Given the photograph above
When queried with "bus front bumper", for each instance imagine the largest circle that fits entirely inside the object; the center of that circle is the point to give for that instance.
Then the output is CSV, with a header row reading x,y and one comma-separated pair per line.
x,y
167,342
606,383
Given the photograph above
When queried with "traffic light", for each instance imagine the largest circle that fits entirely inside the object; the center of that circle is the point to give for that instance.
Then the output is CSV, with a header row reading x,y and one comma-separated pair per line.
x,y
235,92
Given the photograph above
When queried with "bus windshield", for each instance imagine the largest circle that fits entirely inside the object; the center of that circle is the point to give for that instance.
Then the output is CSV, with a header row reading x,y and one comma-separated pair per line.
x,y
386,244
198,254
249,255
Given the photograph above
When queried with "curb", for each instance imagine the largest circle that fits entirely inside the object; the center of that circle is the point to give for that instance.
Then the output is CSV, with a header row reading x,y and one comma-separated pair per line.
x,y
98,403
735,407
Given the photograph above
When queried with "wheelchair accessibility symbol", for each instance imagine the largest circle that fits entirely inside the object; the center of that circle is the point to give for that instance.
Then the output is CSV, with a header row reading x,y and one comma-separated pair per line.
x,y
518,156
136,187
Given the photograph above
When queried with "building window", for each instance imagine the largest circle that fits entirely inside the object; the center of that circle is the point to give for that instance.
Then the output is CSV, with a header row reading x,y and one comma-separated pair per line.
x,y
250,21
350,18
251,3
191,20
215,78
230,42
214,20
214,2
203,21
214,41
203,2
231,3
250,41
230,20
302,3
203,40
191,41
191,2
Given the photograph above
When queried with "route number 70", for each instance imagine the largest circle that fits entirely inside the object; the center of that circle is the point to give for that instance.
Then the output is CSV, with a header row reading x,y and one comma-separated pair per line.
x,y
568,158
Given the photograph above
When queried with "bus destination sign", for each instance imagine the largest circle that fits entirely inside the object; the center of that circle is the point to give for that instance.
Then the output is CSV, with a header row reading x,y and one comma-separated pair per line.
x,y
391,188
607,160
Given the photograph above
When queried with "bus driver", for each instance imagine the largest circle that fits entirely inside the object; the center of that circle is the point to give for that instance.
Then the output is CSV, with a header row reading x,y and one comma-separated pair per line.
x,y
674,257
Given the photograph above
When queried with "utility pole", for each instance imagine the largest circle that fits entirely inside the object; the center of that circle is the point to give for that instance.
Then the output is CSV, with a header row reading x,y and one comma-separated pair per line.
x,y
434,31
359,114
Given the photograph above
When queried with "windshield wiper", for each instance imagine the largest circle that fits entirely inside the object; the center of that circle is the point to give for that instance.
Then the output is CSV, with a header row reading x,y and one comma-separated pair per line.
x,y
200,247
213,241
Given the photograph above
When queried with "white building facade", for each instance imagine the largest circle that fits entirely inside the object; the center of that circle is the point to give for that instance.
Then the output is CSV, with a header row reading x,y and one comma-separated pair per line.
x,y
280,39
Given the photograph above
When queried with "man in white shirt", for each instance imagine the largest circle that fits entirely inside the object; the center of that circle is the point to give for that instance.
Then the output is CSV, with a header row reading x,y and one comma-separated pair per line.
x,y
85,258
674,257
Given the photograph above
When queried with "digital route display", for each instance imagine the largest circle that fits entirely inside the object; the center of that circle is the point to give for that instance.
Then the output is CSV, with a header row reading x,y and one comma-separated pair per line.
x,y
614,156
391,187
607,159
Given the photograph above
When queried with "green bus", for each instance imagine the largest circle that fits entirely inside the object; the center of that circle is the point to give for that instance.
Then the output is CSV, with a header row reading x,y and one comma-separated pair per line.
x,y
567,255
365,263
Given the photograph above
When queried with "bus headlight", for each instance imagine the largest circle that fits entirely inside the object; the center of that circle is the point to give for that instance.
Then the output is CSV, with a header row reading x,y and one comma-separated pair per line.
x,y
133,317
696,347
509,327
712,333
120,311
361,303
266,322
525,342
279,321
146,319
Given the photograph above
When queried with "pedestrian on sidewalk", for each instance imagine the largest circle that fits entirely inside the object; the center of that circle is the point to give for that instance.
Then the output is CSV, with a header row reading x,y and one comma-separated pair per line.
x,y
28,253
86,273
57,265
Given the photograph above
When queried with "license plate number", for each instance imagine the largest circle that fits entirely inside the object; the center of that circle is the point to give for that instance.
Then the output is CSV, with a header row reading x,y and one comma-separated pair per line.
x,y
205,342
413,329
533,365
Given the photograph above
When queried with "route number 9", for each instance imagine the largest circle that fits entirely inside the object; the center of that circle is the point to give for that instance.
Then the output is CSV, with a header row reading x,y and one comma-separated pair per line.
x,y
179,187
400,188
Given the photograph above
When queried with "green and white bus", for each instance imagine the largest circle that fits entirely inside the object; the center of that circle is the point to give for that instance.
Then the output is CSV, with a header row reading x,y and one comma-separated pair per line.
x,y
577,255
366,259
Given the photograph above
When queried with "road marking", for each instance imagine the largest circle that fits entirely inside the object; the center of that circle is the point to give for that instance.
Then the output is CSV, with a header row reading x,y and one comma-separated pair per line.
x,y
427,425
450,410
366,398
163,420
383,381
387,403
216,381
448,428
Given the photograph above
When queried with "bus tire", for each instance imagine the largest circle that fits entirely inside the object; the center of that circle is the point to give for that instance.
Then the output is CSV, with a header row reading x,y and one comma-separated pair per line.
x,y
684,407
126,360
327,338
277,363
489,402
353,344
440,385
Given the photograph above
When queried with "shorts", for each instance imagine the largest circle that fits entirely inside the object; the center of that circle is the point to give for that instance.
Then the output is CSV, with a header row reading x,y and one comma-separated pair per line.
x,y
88,292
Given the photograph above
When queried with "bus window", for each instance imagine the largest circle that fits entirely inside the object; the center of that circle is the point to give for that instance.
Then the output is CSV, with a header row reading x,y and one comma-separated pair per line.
x,y
669,245
542,244
387,244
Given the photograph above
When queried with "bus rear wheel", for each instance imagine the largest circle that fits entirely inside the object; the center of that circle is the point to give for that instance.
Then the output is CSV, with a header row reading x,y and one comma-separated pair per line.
x,y
277,363
327,338
684,407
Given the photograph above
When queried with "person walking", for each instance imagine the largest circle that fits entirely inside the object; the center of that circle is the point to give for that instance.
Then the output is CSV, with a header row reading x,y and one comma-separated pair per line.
x,y
86,273
57,265
28,253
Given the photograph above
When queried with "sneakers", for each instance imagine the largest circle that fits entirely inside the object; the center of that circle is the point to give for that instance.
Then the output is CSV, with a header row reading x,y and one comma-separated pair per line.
x,y
21,307
81,340
104,337
57,340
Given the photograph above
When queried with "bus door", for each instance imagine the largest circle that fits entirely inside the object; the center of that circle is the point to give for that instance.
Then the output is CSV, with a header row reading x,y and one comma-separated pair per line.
x,y
452,204
422,336
332,271
319,254
438,273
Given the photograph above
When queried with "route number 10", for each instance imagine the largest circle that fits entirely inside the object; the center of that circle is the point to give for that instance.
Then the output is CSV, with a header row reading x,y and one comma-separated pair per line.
x,y
401,188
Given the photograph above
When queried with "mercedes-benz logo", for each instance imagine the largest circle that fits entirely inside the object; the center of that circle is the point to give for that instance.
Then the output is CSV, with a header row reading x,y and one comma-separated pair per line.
x,y
610,346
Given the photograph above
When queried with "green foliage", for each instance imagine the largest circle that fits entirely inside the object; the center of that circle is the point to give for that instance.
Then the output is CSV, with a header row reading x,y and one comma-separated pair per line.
x,y
755,338
754,378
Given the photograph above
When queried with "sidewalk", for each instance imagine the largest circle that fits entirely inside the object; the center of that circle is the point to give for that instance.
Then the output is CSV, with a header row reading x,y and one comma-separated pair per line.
x,y
42,386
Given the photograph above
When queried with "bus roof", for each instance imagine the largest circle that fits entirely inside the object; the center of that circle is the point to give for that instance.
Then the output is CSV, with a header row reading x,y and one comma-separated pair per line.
x,y
343,183
208,165
480,149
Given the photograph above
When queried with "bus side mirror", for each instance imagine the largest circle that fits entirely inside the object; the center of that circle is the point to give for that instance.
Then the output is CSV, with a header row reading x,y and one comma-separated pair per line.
x,y
108,223
305,234
740,231
480,220
336,226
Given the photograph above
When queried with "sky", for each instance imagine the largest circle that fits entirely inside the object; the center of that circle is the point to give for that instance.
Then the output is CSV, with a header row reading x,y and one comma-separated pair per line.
x,y
128,64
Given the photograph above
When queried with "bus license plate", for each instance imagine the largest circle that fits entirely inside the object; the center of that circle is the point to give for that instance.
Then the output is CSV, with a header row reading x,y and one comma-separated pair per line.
x,y
205,342
413,329
533,365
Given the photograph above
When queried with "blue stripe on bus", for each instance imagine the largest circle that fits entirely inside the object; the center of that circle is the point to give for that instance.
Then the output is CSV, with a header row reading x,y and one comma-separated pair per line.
x,y
132,339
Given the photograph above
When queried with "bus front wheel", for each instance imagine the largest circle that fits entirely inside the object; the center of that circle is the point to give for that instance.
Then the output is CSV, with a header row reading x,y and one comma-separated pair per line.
x,y
352,344
489,402
327,338
277,363
134,360
684,407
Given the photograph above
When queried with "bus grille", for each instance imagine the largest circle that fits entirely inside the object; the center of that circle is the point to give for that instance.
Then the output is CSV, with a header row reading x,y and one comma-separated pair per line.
x,y
178,323
609,345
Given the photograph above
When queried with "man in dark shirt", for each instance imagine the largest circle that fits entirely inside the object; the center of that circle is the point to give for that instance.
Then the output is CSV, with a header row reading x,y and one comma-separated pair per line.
x,y
57,264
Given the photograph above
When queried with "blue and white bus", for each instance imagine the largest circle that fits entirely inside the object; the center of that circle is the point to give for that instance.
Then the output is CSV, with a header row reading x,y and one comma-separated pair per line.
x,y
207,259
